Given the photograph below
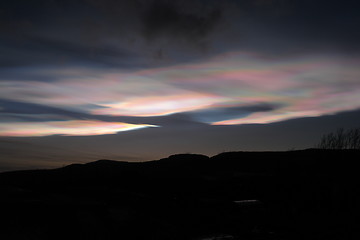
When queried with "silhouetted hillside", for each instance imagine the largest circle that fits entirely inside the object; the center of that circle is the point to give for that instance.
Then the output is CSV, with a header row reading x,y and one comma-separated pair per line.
x,y
308,194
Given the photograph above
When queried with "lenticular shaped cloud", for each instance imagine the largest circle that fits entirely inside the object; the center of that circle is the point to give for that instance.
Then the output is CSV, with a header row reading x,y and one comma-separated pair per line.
x,y
215,114
66,128
158,105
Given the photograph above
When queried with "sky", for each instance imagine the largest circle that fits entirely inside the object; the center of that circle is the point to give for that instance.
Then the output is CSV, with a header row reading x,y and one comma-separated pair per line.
x,y
138,80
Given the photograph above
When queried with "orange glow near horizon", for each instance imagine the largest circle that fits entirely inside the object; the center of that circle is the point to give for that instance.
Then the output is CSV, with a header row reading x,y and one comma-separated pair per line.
x,y
66,128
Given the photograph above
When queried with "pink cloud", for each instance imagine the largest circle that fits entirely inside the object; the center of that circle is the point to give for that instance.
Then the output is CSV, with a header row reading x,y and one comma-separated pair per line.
x,y
159,105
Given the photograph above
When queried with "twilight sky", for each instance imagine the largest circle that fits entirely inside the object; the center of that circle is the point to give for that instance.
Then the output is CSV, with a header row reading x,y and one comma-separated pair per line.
x,y
138,80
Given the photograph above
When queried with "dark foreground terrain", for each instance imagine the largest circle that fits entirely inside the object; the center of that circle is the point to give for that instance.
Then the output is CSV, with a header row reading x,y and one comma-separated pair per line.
x,y
309,194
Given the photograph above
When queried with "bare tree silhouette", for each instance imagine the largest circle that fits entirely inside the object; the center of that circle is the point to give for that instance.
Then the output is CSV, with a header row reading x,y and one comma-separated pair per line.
x,y
341,139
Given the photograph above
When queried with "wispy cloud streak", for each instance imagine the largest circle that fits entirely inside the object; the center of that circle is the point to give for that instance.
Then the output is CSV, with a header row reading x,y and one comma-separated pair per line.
x,y
66,128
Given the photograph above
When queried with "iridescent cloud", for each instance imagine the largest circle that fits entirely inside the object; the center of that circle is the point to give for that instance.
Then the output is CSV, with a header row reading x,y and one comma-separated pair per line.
x,y
66,128
159,105
300,86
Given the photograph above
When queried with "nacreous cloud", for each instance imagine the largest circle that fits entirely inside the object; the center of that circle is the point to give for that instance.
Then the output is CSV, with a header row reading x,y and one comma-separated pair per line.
x,y
292,87
66,128
159,105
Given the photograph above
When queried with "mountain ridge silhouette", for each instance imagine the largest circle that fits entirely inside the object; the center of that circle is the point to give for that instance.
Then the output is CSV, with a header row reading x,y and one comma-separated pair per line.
x,y
303,194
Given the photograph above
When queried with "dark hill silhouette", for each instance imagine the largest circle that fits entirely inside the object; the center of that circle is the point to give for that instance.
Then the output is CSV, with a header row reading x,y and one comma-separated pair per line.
x,y
307,194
